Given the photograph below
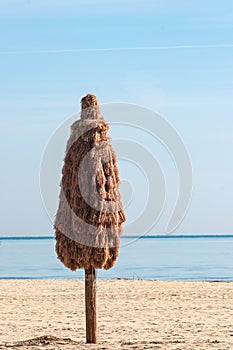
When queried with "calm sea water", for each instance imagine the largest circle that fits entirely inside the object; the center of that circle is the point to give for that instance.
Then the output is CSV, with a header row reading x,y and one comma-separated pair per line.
x,y
170,258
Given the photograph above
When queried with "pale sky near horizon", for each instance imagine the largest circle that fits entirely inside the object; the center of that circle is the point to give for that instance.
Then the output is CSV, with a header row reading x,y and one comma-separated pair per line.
x,y
43,77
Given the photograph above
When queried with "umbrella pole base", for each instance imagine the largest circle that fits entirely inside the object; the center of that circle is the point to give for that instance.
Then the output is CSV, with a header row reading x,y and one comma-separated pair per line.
x,y
90,303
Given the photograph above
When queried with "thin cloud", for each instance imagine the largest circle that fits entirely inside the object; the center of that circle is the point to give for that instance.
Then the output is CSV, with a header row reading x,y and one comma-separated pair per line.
x,y
142,48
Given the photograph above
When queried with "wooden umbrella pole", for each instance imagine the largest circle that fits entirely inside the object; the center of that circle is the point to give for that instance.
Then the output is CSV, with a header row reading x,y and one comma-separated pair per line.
x,y
90,300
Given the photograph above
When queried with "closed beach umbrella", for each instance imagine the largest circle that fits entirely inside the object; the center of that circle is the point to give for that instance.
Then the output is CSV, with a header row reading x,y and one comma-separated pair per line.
x,y
89,218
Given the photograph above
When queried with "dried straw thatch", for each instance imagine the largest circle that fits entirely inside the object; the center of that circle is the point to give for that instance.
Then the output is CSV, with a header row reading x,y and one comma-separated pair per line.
x,y
90,215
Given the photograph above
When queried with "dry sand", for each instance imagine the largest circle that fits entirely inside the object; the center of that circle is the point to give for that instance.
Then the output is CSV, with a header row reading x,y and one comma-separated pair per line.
x,y
131,315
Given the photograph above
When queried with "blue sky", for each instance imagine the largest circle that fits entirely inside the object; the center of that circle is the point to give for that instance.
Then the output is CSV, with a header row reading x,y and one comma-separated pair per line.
x,y
44,75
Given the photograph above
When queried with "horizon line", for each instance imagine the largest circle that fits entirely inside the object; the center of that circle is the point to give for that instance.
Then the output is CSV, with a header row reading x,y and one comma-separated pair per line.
x,y
230,235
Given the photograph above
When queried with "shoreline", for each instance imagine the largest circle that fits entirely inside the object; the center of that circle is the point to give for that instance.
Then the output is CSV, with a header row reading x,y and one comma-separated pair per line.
x,y
115,279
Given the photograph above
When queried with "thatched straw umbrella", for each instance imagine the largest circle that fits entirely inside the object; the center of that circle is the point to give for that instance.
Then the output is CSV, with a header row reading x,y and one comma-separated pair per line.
x,y
89,219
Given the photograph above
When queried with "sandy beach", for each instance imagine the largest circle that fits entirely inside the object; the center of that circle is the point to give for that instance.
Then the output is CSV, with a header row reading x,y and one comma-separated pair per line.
x,y
132,314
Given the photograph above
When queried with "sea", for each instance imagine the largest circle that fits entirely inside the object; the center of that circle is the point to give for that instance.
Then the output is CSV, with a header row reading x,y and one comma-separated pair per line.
x,y
191,258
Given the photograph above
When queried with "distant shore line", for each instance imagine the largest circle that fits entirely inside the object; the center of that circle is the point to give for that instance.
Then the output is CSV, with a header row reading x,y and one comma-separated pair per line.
x,y
170,236
78,278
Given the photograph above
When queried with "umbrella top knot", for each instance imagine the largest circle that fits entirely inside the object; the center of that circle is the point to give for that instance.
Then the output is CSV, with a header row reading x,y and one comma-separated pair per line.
x,y
90,108
88,101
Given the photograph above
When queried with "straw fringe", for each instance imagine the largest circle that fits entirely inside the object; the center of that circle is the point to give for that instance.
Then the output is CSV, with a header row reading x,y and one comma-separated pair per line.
x,y
89,219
